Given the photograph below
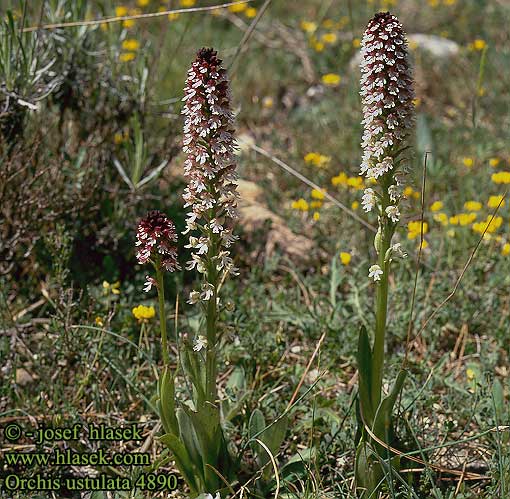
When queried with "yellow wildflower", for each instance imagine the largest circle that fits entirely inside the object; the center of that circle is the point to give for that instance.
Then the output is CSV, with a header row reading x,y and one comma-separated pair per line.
x,y
118,138
267,102
130,44
317,159
454,220
355,205
331,79
343,22
99,321
436,206
316,216
494,162
345,258
490,225
115,287
468,162
494,201
128,23
442,218
466,218
414,229
409,192
355,182
505,250
251,12
317,194
173,16
479,44
472,205
300,204
340,179
308,26
142,3
434,3
501,177
328,23
188,3
470,374
240,7
127,56
424,245
143,313
315,204
121,11
318,46
356,43
329,38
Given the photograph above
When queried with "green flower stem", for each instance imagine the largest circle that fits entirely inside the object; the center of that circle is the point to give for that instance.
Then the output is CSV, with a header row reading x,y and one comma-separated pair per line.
x,y
381,303
211,324
162,314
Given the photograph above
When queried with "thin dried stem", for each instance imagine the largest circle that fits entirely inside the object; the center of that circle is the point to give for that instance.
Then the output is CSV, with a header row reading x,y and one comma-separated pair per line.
x,y
148,15
311,184
418,261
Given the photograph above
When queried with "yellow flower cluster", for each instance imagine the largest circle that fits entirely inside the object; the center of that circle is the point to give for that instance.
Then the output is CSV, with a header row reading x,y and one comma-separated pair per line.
x,y
301,205
414,229
472,206
318,194
120,138
121,11
436,206
442,218
501,177
409,193
463,219
489,226
129,46
494,202
143,313
343,180
249,12
111,288
316,159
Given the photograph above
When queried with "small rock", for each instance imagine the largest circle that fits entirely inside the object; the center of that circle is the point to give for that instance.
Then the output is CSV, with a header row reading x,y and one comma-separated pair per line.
x,y
23,377
437,46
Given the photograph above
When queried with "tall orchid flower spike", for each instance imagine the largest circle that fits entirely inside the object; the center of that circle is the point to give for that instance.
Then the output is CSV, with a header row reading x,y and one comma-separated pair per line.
x,y
211,199
388,117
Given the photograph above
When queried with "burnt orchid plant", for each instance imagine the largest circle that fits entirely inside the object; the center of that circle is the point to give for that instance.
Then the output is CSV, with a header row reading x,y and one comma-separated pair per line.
x,y
193,430
387,98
